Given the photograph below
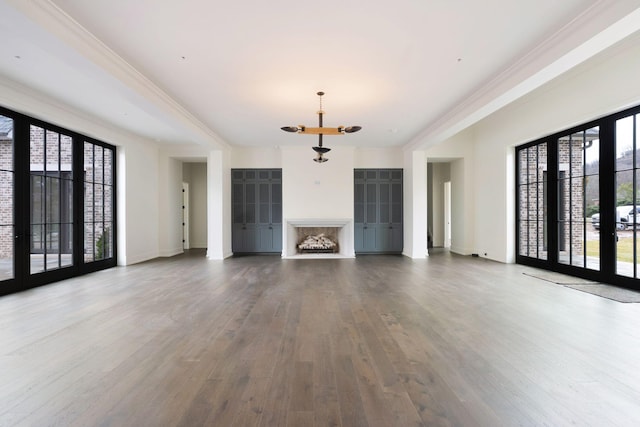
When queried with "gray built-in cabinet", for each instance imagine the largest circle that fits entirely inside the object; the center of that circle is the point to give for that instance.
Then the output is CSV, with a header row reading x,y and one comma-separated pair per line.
x,y
378,211
256,198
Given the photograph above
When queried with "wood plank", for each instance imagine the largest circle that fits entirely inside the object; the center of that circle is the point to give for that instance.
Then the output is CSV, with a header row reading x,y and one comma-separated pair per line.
x,y
376,340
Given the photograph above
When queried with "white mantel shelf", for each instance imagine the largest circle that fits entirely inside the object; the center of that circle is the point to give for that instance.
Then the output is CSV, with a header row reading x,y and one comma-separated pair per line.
x,y
345,237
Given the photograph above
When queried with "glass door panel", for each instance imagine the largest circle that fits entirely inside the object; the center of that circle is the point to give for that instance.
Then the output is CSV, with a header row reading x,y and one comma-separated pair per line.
x,y
532,193
578,199
7,201
627,201
98,202
51,200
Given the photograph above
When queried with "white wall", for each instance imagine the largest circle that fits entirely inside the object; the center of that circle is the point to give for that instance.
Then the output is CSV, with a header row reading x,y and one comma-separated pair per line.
x,y
196,175
256,158
170,206
378,158
138,196
313,190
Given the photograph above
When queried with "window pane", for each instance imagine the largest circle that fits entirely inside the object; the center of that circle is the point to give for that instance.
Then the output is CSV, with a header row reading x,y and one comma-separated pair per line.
x,y
577,243
524,236
98,173
89,248
37,199
36,148
576,154
6,198
7,233
6,143
98,202
88,162
107,240
66,155
523,166
52,142
108,203
627,178
98,240
7,230
624,143
52,200
637,138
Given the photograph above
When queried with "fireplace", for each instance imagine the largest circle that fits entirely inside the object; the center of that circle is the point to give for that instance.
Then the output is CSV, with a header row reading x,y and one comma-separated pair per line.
x,y
318,238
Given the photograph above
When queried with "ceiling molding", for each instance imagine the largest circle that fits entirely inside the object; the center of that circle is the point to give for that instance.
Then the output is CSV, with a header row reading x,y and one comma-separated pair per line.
x,y
25,100
54,20
573,44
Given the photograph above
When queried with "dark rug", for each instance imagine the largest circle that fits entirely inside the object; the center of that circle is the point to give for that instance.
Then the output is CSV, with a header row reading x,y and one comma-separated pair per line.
x,y
608,291
603,290
561,279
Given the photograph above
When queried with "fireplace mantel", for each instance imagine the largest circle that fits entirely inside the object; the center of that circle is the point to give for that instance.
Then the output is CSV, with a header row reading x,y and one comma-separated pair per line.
x,y
345,236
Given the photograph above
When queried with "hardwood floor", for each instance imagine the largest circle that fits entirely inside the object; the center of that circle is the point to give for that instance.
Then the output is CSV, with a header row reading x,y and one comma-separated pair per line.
x,y
260,341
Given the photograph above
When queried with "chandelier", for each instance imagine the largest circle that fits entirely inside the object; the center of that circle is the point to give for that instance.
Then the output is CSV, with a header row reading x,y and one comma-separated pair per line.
x,y
320,130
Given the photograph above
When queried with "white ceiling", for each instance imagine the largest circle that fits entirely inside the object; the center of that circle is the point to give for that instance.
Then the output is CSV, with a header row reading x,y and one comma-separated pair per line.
x,y
223,73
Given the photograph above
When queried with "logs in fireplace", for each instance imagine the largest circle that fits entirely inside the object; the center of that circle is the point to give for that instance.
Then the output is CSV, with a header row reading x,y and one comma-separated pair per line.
x,y
317,244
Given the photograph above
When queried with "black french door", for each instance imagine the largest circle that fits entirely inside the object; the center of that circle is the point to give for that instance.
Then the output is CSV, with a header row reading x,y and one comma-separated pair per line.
x,y
578,201
46,203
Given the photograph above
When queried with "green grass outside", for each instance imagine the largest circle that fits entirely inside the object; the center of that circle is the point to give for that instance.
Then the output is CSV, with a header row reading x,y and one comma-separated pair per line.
x,y
624,249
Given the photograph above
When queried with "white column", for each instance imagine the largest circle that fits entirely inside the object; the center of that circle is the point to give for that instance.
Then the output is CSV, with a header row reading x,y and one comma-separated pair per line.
x,y
415,204
218,205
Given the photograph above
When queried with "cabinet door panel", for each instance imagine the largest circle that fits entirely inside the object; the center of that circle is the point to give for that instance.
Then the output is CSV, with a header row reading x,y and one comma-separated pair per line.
x,y
369,239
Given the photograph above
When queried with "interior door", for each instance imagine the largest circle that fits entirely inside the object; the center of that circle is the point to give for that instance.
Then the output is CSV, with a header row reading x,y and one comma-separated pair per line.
x,y
447,214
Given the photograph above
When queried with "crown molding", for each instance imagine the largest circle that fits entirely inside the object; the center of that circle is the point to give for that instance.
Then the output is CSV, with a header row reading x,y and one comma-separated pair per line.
x,y
596,29
25,100
50,17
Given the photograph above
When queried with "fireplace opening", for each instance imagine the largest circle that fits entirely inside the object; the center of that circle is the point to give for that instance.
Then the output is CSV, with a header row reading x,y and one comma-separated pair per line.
x,y
317,240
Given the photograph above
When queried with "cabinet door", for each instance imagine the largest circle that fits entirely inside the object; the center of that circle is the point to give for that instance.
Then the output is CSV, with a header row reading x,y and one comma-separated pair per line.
x,y
243,239
257,210
396,220
269,238
378,211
